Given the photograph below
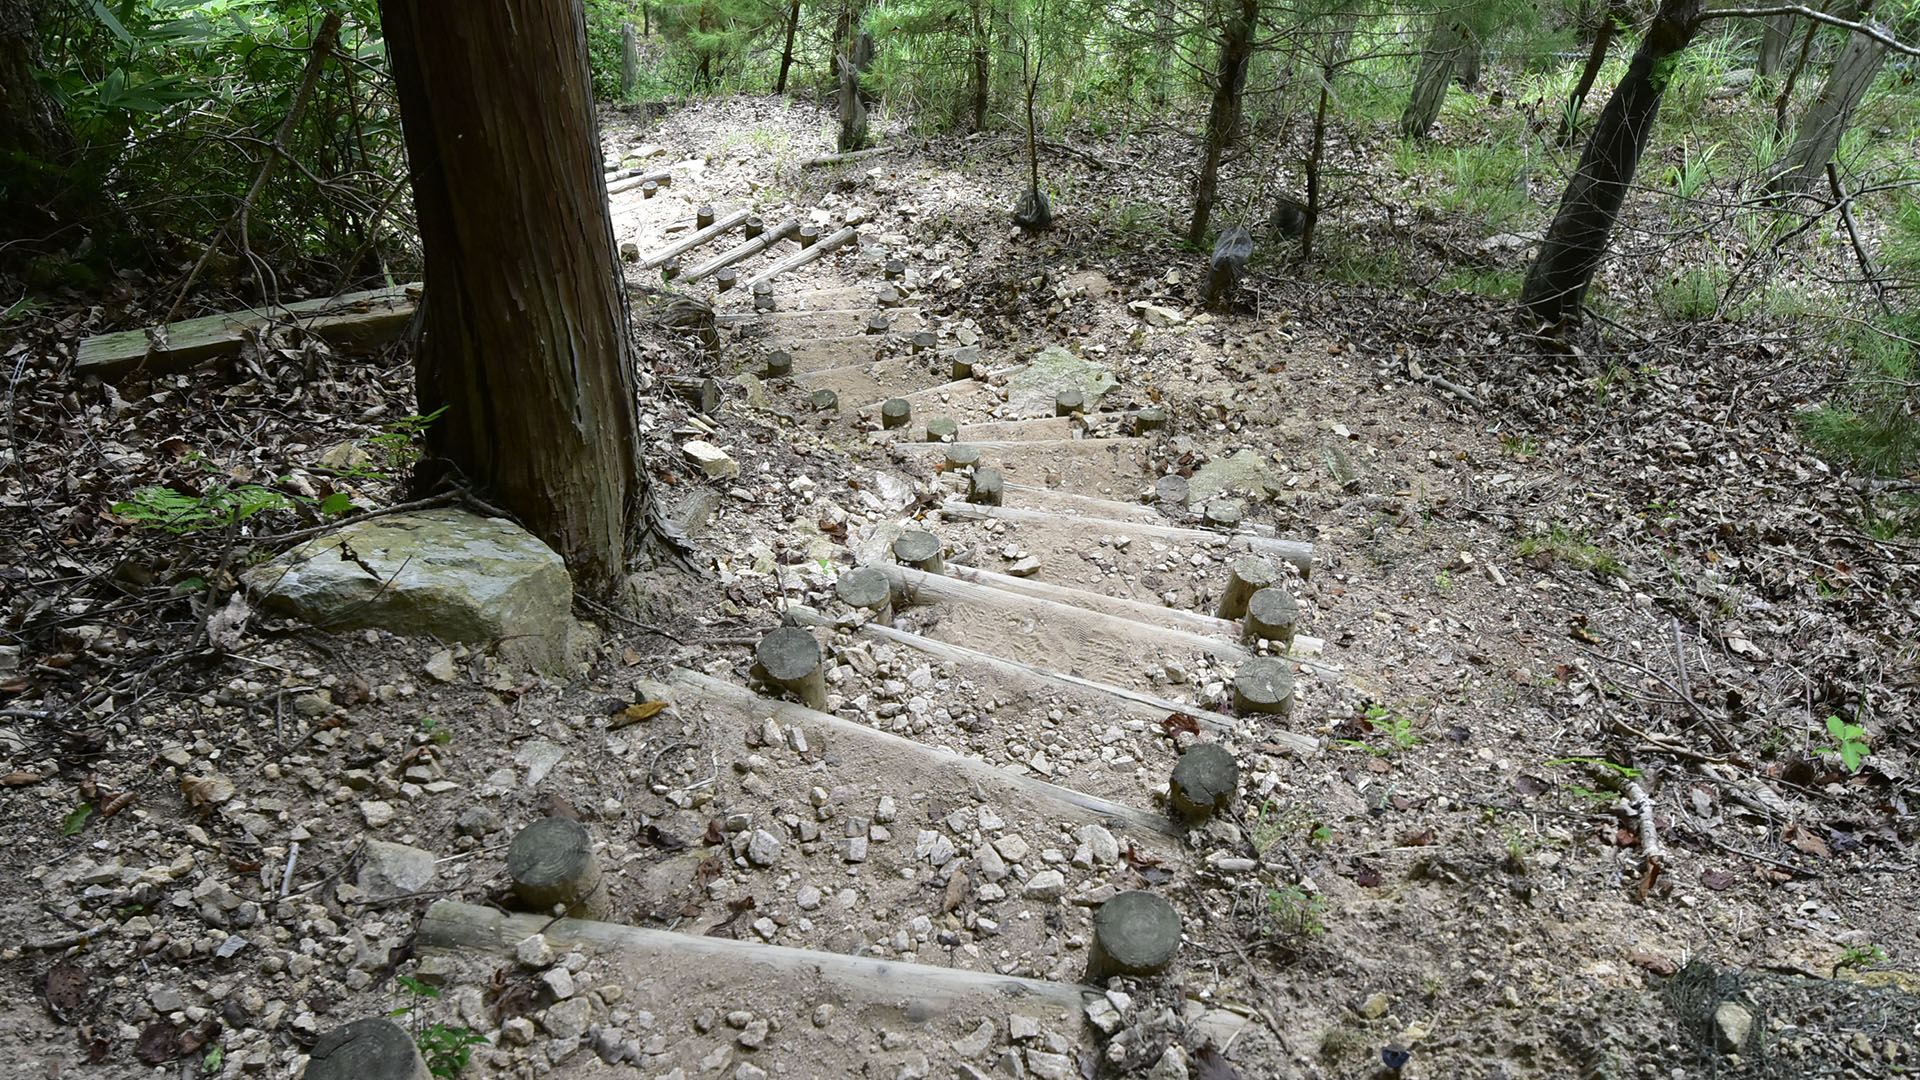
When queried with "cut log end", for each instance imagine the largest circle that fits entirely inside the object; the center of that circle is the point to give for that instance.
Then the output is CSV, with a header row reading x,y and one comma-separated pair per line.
x,y
552,866
1171,492
703,217
1272,614
790,659
988,487
726,279
755,227
701,393
1069,402
1148,420
920,550
649,189
961,456
1249,575
869,589
1263,685
924,341
779,364
1204,781
877,324
809,235
1224,514
1136,933
895,412
372,1049
942,429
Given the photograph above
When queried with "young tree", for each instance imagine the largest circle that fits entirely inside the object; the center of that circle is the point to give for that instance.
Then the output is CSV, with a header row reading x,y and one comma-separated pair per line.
x,y
526,343
1832,110
1577,240
1241,18
1446,44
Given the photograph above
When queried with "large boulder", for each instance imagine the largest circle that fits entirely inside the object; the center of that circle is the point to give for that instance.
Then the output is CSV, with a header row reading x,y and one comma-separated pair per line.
x,y
1244,473
1031,391
447,573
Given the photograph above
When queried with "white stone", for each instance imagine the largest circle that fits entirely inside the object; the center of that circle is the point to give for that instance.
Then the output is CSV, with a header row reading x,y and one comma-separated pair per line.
x,y
712,460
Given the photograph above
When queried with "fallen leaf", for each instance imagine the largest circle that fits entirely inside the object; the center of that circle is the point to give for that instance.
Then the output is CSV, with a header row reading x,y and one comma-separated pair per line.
x,y
633,714
1717,880
156,1043
1806,840
1136,859
1659,965
958,886
1423,837
1369,878
1529,785
1179,722
19,779
65,987
205,791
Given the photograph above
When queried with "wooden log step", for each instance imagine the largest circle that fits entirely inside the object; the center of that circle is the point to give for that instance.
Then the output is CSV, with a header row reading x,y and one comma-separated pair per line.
x,y
892,377
1040,428
965,400
743,251
651,957
1134,703
915,765
846,158
1297,552
843,350
800,258
1029,497
990,447
1083,466
637,179
350,320
718,228
797,328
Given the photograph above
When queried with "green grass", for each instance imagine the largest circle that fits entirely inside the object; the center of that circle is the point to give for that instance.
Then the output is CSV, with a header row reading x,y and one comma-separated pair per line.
x,y
1692,295
1495,283
1563,544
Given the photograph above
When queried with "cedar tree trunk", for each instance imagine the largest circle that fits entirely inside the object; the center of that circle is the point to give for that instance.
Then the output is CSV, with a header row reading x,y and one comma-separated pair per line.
x,y
526,343
1577,240
1827,118
1776,33
1445,46
1236,55
35,143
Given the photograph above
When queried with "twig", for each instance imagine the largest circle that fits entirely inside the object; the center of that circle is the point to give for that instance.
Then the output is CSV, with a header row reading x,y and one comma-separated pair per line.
x,y
1643,813
1663,745
1700,714
67,941
1844,203
1757,857
286,879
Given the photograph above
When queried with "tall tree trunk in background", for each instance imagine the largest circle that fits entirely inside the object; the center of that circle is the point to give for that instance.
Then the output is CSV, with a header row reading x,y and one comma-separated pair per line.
x,y
1466,67
982,49
1576,242
526,321
1776,35
1450,39
1165,45
629,60
1236,55
786,51
36,147
1827,118
1615,14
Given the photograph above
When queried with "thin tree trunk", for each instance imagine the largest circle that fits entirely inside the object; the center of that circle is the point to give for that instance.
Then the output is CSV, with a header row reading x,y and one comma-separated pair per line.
x,y
1466,67
1793,79
1776,33
35,142
1444,46
1596,58
1832,110
629,60
1576,242
981,45
1236,55
526,342
786,51
1313,162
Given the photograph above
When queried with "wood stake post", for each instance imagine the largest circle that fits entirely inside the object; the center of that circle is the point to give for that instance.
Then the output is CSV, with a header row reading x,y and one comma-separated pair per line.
x,y
1263,685
869,589
806,255
1272,614
920,550
895,413
658,179
1135,933
1249,575
552,866
838,159
988,486
1204,781
747,250
372,1049
694,241
790,658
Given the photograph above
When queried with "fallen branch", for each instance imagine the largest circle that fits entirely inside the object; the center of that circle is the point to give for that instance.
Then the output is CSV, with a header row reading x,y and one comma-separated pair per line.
x,y
629,182
840,159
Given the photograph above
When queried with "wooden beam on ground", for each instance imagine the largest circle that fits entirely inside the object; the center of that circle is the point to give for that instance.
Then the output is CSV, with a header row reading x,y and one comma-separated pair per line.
x,y
1297,552
350,320
841,159
450,924
804,256
627,182
1063,799
747,250
694,241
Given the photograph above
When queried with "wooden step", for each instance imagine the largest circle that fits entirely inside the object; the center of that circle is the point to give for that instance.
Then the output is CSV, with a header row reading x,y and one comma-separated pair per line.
x,y
674,975
800,327
966,400
821,248
1082,466
719,228
348,321
847,350
1134,703
1011,431
1297,552
910,763
890,377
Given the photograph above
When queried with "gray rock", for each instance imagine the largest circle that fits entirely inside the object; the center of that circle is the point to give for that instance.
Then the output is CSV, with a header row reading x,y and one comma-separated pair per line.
x,y
1045,885
1032,389
166,999
538,757
1012,848
1101,844
1732,1027
478,821
1245,471
992,866
377,814
568,1019
1051,1066
976,1042
764,849
1021,1028
389,870
447,573
1171,1066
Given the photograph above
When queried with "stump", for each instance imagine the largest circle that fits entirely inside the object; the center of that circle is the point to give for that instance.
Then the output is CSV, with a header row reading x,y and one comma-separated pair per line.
x,y
779,364
987,487
895,269
1204,780
629,252
942,429
726,279
1069,402
649,189
1249,575
552,866
920,550
1171,491
1223,513
372,1049
825,401
703,217
1135,933
701,393
895,412
1147,420
1263,685
1272,614
754,227
763,296
809,235
789,658
670,269
867,588
962,456
924,341
964,361
877,324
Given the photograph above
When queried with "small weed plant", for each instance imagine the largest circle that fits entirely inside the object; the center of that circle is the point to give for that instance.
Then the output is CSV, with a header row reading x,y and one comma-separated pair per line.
x,y
1565,545
447,1048
1849,742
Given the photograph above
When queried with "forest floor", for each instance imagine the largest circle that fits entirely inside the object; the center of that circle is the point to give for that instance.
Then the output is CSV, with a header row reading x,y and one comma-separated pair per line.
x,y
1609,603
